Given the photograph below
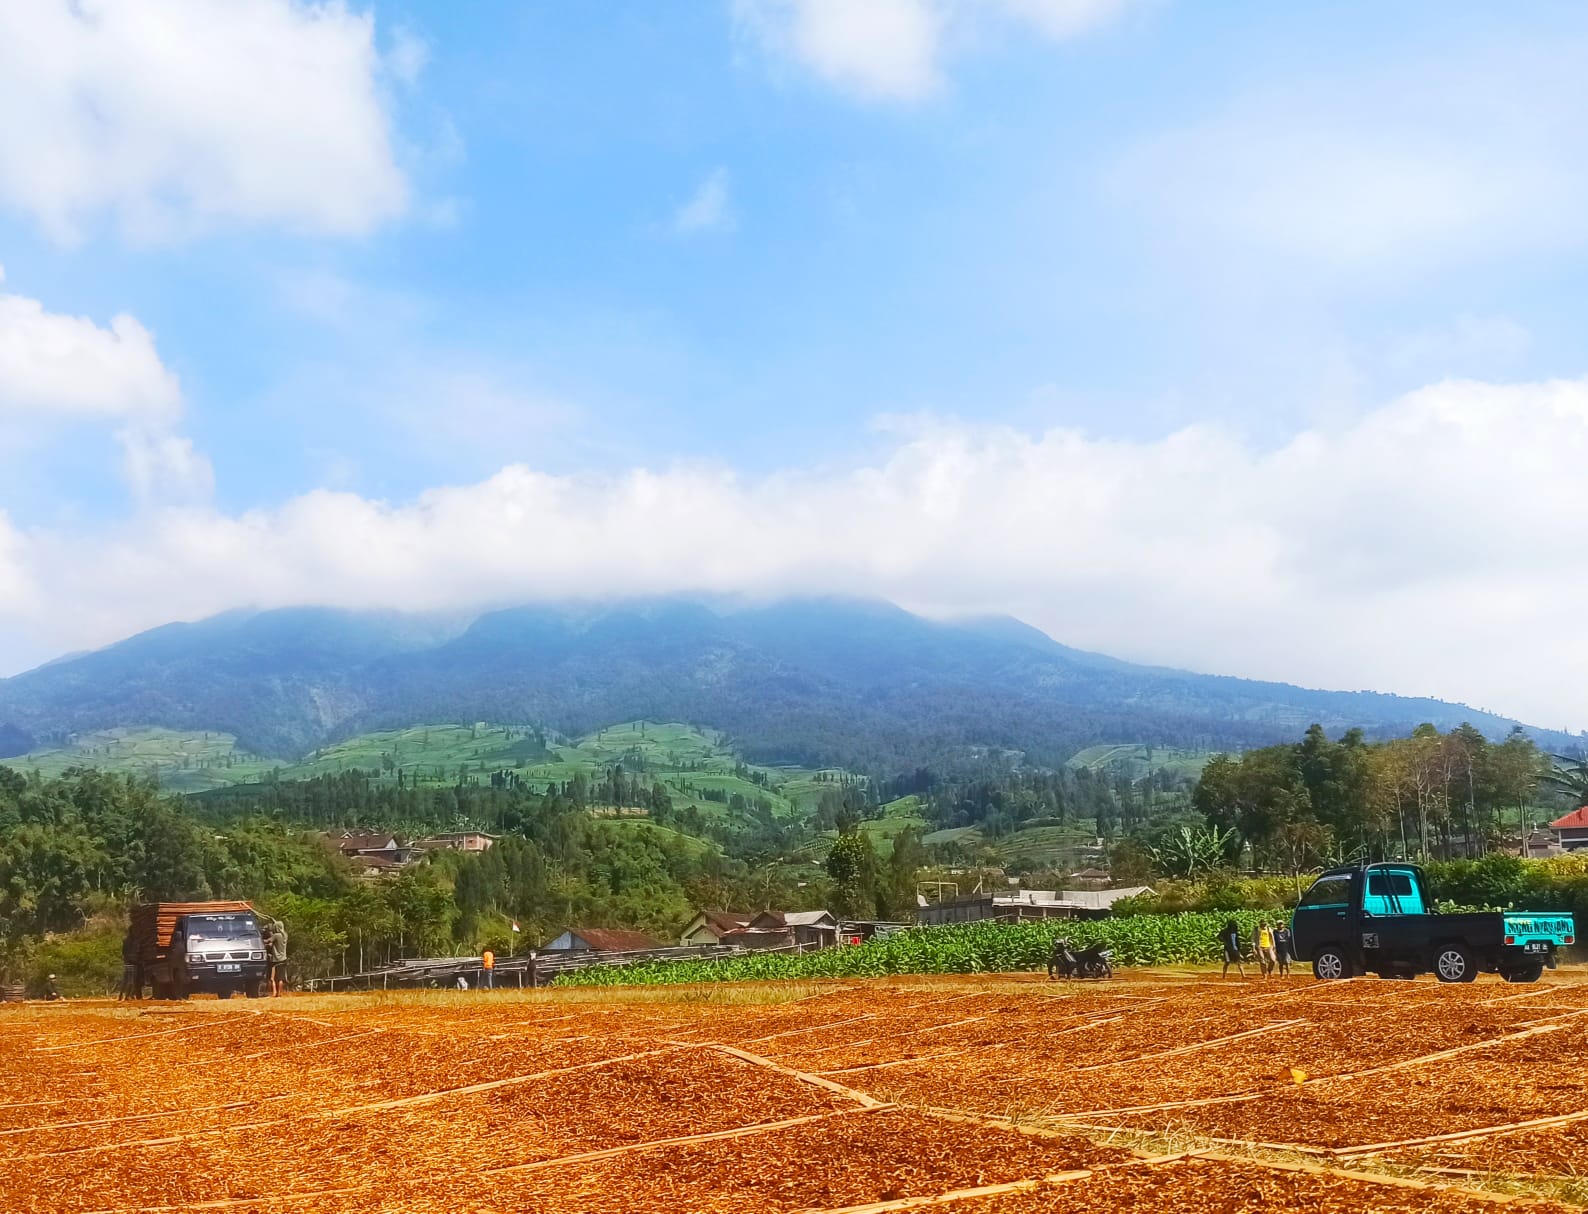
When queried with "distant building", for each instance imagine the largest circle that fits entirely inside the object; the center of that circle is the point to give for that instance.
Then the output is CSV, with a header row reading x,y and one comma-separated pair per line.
x,y
859,931
1572,830
785,929
602,940
1017,905
375,866
709,927
1102,899
458,840
1090,878
387,849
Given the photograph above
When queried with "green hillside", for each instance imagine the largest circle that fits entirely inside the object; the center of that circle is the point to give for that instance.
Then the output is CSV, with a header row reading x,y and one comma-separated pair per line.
x,y
181,761
697,768
1137,759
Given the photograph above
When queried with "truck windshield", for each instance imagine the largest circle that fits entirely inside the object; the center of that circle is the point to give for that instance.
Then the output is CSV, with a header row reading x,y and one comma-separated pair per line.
x,y
222,931
1327,891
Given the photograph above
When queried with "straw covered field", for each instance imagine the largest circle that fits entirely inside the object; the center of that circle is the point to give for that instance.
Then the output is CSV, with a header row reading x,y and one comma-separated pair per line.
x,y
972,1096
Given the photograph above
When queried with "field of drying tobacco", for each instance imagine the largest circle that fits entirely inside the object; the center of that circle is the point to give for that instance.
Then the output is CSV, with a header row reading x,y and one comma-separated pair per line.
x,y
977,1096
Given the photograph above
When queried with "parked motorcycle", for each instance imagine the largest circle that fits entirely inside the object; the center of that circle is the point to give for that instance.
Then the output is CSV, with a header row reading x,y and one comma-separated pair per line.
x,y
1092,962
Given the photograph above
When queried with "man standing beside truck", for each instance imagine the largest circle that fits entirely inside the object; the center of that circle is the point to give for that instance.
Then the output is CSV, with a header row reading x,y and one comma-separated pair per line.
x,y
131,970
276,946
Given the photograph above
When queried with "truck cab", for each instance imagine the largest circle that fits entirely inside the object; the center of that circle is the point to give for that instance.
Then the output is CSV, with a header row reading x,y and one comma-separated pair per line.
x,y
1378,918
183,948
221,952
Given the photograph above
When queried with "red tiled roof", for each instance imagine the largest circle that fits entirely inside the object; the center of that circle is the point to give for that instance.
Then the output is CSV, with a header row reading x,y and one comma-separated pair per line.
x,y
615,940
1576,820
724,921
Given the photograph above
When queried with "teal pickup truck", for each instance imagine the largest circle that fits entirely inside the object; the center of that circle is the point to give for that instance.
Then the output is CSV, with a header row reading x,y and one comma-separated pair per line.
x,y
1376,919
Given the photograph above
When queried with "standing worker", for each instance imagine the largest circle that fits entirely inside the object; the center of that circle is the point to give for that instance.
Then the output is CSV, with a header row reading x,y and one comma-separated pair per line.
x,y
1230,938
1282,948
1265,948
276,947
488,970
131,970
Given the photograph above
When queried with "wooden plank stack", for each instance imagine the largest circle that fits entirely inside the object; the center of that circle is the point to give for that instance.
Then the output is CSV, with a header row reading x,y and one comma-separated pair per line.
x,y
153,923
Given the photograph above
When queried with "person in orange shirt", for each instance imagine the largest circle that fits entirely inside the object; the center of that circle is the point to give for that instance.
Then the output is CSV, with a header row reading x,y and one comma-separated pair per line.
x,y
488,970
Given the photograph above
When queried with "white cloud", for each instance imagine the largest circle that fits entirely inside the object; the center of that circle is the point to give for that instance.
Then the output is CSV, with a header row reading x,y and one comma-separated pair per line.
x,y
174,116
68,366
1425,547
1065,18
893,50
1477,158
56,369
408,56
708,209
163,465
1467,344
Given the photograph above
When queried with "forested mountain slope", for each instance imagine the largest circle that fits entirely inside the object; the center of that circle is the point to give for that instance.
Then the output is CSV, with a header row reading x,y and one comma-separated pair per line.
x,y
813,681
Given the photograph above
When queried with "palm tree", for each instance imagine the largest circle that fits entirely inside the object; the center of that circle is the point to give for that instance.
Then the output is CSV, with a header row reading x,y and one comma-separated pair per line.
x,y
1569,776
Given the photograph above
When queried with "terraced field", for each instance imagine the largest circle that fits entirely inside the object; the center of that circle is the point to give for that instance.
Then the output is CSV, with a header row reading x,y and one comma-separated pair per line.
x,y
976,1096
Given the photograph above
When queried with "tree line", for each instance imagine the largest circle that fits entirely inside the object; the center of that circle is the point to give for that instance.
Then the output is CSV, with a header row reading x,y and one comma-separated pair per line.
x,y
1292,807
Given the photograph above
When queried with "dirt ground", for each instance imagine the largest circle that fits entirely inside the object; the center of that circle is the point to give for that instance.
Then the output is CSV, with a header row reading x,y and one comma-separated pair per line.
x,y
971,1095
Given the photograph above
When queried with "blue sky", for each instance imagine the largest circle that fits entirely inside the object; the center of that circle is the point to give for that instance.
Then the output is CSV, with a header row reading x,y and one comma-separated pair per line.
x,y
1177,329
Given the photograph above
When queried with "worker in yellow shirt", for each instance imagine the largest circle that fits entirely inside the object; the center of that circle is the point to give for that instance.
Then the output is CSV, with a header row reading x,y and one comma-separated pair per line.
x,y
1265,948
488,970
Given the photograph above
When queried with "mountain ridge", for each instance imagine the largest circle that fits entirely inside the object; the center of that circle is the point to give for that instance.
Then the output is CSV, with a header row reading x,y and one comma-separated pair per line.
x,y
803,680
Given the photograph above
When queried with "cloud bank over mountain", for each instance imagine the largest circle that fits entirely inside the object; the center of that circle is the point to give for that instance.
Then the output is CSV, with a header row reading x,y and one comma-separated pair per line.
x,y
1413,548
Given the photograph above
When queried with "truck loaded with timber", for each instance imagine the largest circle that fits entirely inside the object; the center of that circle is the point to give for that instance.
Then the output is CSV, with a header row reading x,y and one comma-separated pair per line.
x,y
183,947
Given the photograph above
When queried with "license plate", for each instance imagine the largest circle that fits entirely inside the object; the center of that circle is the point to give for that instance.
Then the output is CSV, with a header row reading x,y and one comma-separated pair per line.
x,y
229,969
1537,946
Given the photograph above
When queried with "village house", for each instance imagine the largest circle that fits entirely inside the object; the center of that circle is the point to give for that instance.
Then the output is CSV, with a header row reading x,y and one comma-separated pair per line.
x,y
458,840
379,846
1102,899
1017,905
786,929
1572,830
709,927
602,940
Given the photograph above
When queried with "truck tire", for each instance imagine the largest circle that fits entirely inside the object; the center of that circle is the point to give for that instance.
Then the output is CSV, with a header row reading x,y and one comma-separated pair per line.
x,y
225,993
254,989
1330,963
1454,963
1532,971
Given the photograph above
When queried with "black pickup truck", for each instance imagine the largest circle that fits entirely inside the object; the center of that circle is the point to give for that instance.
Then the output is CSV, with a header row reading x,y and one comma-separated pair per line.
x,y
1376,919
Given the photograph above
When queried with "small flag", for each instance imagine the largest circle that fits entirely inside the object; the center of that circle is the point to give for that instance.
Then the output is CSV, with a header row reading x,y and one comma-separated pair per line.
x,y
515,925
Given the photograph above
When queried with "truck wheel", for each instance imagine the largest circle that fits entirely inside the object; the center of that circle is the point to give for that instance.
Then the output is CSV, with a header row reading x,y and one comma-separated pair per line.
x,y
1531,972
1454,963
1330,963
225,993
254,989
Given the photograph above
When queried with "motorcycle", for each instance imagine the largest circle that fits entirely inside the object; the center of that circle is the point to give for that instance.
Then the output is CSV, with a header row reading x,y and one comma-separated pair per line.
x,y
1090,962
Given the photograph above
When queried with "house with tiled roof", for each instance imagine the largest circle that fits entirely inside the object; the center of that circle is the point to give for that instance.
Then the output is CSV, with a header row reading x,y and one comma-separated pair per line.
x,y
602,940
786,929
710,926
1572,830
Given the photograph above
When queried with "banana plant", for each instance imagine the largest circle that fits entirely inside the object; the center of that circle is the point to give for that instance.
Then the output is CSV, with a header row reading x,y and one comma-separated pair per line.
x,y
1569,776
